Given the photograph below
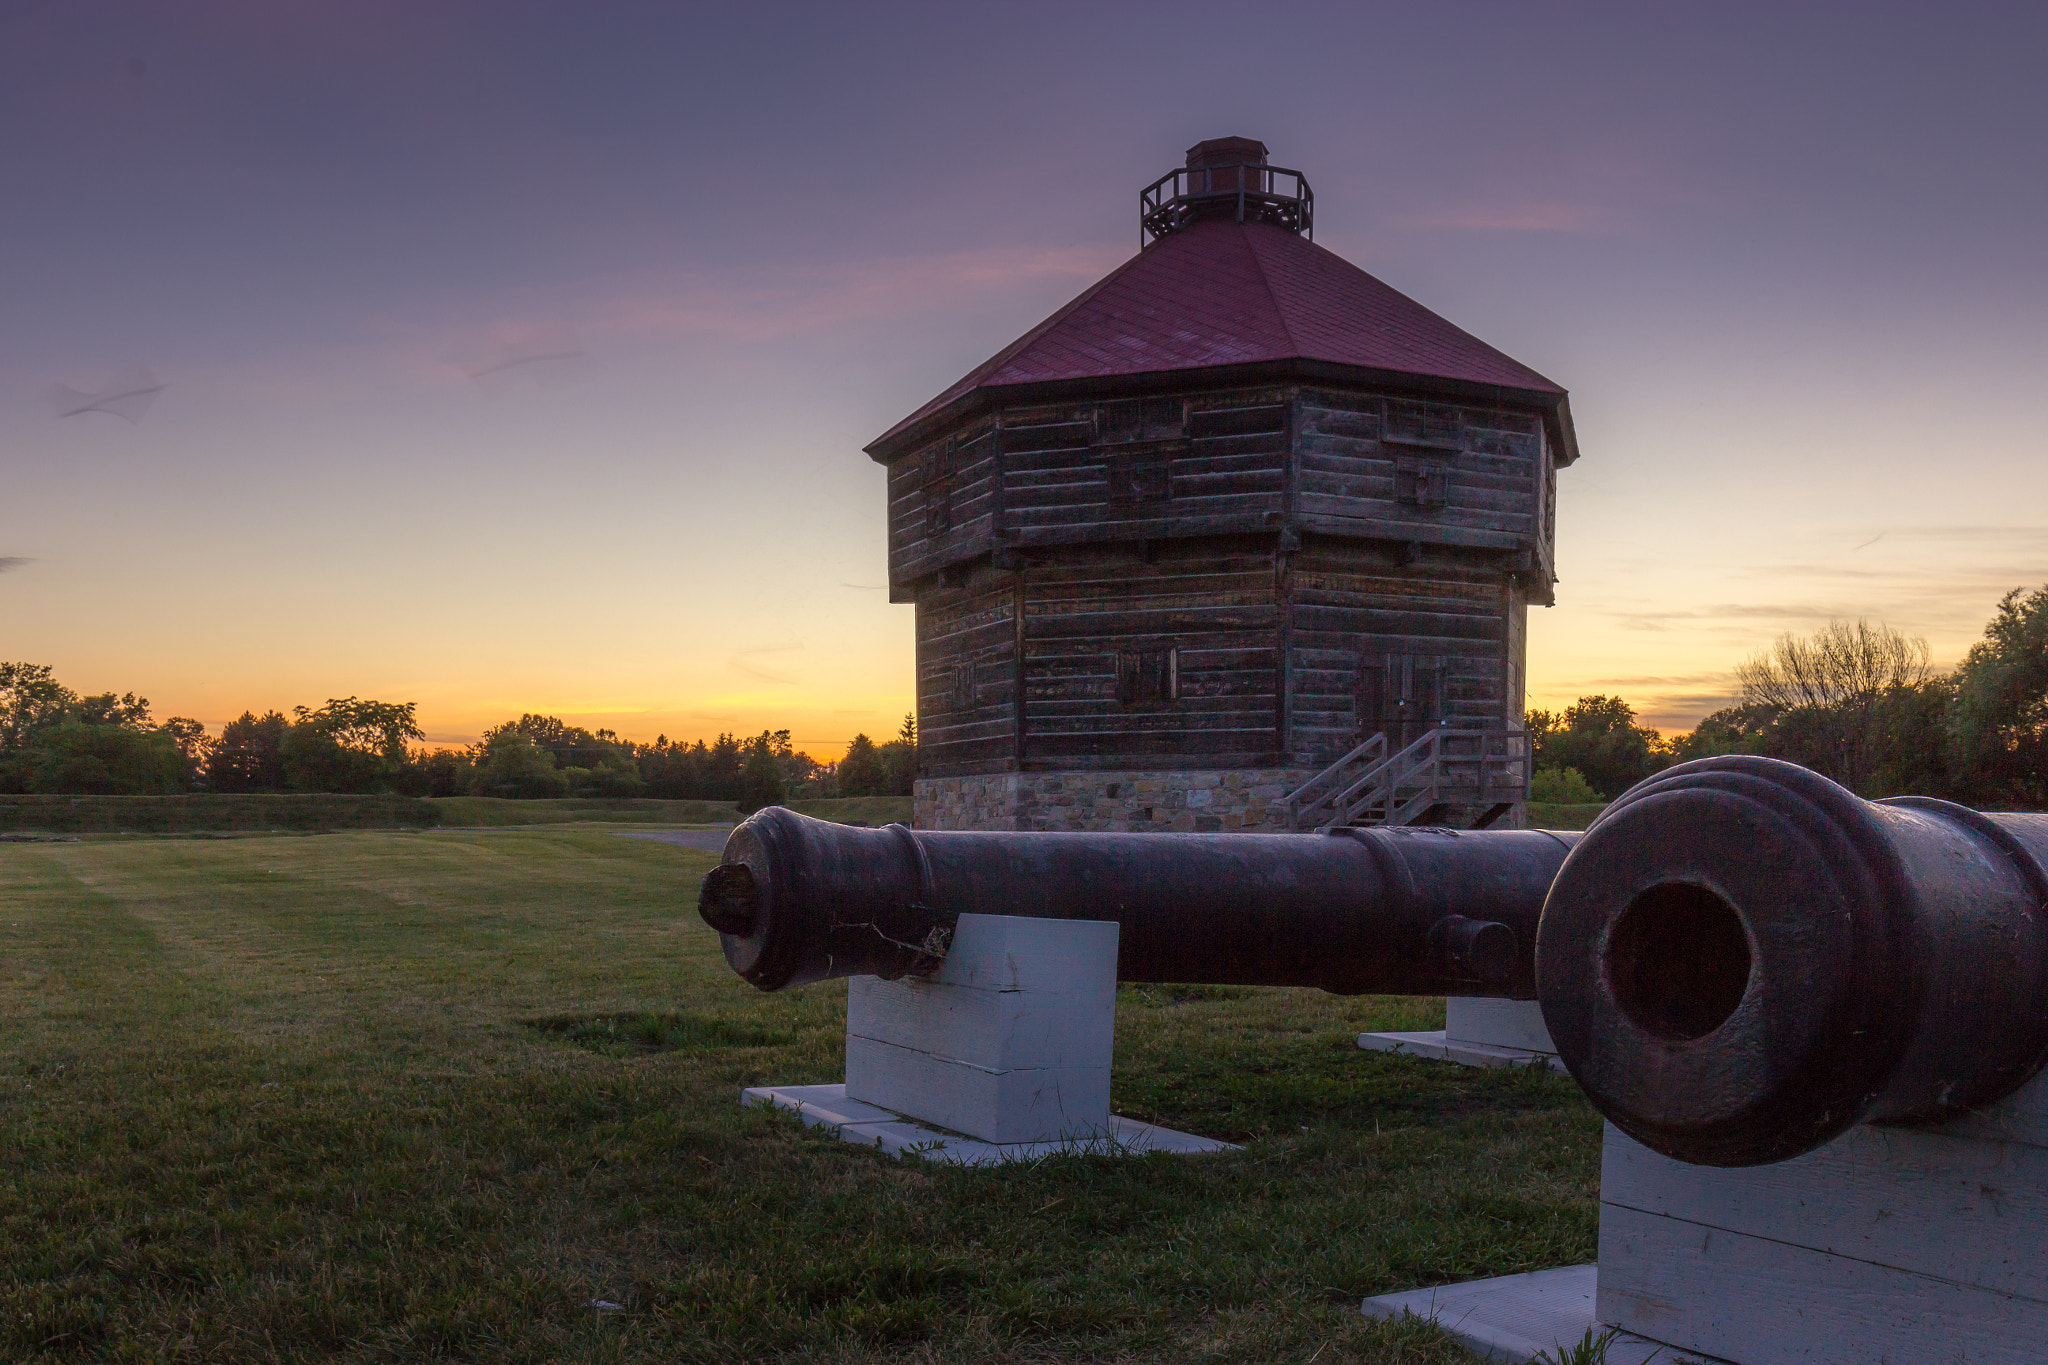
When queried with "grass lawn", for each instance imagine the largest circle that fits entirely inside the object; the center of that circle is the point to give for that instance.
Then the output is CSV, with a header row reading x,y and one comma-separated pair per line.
x,y
396,1096
495,811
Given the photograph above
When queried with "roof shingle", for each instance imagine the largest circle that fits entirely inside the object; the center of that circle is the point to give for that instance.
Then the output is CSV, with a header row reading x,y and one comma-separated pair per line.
x,y
1221,292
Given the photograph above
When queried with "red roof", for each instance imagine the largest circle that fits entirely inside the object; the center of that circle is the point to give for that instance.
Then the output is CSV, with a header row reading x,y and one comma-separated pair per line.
x,y
1220,292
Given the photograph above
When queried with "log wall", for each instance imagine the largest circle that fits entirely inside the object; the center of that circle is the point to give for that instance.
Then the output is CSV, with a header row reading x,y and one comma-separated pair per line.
x,y
1217,580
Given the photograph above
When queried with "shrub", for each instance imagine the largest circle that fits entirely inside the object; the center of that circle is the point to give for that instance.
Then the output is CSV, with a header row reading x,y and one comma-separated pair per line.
x,y
1561,786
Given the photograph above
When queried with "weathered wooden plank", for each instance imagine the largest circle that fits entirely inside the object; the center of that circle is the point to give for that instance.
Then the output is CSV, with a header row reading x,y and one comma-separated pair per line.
x,y
1224,749
1132,624
1264,484
1084,613
1395,583
1233,464
1272,445
1207,695
1238,421
1453,515
1380,528
1345,423
1194,578
1051,535
1023,439
1368,621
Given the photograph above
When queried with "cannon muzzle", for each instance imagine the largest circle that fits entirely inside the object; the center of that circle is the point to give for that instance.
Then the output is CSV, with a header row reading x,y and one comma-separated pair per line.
x,y
1742,959
1389,911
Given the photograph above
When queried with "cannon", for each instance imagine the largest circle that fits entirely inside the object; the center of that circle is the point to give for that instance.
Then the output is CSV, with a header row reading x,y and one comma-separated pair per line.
x,y
1739,960
1742,960
1355,911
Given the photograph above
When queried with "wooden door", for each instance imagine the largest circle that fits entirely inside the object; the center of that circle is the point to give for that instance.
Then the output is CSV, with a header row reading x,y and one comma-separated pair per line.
x,y
1400,696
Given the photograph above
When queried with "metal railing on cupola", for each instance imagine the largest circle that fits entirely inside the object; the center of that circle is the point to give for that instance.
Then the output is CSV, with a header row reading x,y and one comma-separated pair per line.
x,y
1248,190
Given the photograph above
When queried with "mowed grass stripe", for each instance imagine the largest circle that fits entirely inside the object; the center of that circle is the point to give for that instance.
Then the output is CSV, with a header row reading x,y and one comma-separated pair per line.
x,y
300,1099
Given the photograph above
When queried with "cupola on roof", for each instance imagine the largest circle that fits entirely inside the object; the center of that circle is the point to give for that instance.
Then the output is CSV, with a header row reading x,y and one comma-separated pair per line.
x,y
1230,280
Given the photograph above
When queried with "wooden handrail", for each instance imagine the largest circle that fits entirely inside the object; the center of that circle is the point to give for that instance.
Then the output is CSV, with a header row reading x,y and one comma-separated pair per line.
x,y
1404,784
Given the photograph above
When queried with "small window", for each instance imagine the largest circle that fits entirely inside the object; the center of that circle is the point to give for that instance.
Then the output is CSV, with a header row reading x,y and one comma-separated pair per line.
x,y
938,490
1147,677
1425,424
1137,479
1135,420
938,511
1422,483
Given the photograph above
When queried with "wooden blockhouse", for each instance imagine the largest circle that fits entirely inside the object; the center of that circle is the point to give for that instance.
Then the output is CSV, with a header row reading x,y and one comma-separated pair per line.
x,y
1240,538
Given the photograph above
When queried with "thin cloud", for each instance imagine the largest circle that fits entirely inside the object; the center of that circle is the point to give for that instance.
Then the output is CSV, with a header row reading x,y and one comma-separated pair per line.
x,y
765,304
1516,217
742,662
755,304
8,562
126,395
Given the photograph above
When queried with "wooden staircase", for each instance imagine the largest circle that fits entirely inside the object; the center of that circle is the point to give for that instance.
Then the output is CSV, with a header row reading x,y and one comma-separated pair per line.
x,y
1486,769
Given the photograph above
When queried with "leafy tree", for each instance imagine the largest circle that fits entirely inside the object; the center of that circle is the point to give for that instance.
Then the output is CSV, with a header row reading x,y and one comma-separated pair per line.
x,y
190,739
1998,725
861,772
1741,729
1599,737
108,709
597,764
1910,740
107,760
899,758
349,745
508,763
722,770
760,775
447,771
248,756
30,698
674,772
1827,691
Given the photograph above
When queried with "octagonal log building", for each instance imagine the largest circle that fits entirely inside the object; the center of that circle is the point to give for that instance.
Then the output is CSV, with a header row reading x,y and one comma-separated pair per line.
x,y
1240,538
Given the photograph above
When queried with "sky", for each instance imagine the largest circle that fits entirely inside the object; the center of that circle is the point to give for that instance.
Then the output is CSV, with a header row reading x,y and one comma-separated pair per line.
x,y
518,357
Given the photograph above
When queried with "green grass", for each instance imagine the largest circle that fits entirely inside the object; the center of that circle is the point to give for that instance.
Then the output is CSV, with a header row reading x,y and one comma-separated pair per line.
x,y
1549,815
254,811
382,1096
859,810
494,811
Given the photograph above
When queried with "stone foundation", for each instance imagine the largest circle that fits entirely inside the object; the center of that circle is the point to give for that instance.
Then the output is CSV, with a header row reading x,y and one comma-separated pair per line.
x,y
1199,801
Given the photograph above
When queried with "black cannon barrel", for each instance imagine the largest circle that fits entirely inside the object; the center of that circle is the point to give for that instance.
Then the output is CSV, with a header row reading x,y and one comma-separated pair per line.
x,y
1390,911
1742,959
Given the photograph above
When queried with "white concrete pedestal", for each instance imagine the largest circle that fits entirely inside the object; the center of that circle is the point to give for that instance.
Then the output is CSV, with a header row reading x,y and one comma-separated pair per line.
x,y
1888,1246
1477,1032
1002,1054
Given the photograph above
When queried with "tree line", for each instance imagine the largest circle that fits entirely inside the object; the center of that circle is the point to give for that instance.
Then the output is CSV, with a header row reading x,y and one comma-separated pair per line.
x,y
1855,701
53,740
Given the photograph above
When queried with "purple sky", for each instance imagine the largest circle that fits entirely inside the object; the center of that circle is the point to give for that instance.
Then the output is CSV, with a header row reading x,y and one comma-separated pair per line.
x,y
1787,258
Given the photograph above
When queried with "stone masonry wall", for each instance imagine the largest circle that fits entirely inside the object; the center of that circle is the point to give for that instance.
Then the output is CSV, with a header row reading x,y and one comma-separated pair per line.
x,y
1200,802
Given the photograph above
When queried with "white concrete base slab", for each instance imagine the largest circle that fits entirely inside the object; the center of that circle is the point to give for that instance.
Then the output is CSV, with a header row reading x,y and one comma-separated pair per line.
x,y
1009,1041
1520,1317
826,1106
1438,1046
